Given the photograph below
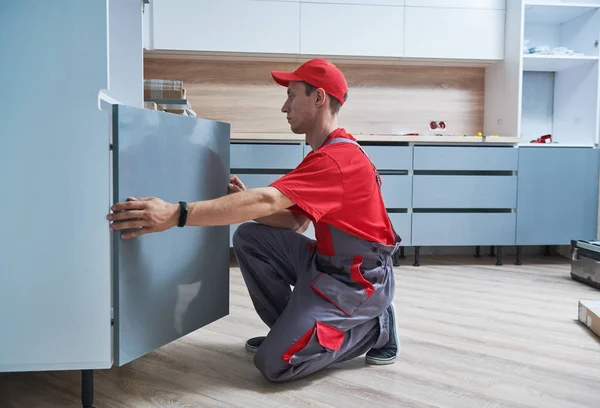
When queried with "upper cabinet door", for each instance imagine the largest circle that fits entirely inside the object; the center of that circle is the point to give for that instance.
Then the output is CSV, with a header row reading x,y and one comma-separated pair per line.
x,y
363,2
227,25
170,283
364,30
479,4
454,33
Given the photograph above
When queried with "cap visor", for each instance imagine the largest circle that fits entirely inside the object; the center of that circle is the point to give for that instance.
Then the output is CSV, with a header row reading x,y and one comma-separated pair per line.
x,y
284,78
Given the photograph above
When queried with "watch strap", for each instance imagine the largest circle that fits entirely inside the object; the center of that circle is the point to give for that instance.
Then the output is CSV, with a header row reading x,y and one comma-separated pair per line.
x,y
183,212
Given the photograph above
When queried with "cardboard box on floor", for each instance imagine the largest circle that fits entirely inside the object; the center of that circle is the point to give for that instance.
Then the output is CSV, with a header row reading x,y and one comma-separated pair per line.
x,y
589,314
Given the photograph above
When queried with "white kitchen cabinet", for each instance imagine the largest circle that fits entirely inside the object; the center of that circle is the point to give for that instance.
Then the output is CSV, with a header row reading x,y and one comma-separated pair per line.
x,y
360,2
366,30
454,33
73,295
226,25
477,4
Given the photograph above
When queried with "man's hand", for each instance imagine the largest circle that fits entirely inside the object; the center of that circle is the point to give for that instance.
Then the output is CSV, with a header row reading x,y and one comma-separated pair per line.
x,y
236,185
147,214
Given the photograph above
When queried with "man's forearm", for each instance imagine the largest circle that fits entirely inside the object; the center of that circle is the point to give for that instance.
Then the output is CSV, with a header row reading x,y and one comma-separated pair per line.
x,y
236,208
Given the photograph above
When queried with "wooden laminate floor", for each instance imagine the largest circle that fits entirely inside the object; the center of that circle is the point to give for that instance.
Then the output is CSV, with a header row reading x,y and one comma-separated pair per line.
x,y
473,335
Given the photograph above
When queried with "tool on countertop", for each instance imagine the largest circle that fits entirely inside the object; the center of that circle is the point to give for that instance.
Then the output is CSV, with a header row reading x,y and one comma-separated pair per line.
x,y
543,139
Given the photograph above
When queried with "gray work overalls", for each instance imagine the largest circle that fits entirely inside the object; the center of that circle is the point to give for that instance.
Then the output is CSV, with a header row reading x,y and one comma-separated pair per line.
x,y
337,310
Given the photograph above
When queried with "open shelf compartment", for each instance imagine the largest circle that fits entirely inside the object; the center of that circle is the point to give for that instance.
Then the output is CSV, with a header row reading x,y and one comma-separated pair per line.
x,y
560,87
552,26
563,104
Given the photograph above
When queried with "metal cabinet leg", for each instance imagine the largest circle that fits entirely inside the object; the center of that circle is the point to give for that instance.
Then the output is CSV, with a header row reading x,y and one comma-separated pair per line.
x,y
87,388
518,257
417,256
499,255
477,251
492,252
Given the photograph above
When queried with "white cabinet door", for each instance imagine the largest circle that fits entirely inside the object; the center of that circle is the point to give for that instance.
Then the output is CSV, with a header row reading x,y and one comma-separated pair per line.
x,y
478,4
364,31
456,33
364,2
227,25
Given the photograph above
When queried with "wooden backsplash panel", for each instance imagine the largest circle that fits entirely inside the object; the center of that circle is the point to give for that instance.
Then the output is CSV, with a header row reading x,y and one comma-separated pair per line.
x,y
381,98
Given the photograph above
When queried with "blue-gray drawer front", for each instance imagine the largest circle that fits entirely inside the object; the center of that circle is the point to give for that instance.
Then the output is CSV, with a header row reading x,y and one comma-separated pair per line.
x,y
449,229
396,191
402,224
464,191
258,180
265,156
465,158
386,157
390,157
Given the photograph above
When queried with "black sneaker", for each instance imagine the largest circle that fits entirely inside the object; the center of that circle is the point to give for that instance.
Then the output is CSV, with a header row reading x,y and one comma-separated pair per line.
x,y
254,343
387,353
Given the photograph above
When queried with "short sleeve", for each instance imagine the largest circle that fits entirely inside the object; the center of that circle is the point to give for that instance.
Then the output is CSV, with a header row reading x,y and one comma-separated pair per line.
x,y
315,186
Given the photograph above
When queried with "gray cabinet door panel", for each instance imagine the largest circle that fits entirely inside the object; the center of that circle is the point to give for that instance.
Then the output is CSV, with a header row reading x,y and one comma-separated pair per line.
x,y
557,195
168,284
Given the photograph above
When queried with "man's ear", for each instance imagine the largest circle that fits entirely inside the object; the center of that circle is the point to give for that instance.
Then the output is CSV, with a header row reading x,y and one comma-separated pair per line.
x,y
321,97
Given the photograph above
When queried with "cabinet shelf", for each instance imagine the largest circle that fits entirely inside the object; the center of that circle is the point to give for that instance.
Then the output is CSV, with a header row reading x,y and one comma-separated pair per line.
x,y
555,13
555,63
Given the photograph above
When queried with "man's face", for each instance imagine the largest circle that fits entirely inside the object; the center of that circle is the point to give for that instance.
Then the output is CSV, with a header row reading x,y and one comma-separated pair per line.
x,y
300,108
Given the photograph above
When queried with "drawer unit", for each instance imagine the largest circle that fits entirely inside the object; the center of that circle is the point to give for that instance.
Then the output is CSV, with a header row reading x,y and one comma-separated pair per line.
x,y
402,224
390,157
464,158
396,191
445,191
265,156
450,229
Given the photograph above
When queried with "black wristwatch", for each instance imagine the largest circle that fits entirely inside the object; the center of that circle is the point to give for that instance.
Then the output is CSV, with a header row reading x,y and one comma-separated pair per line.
x,y
183,212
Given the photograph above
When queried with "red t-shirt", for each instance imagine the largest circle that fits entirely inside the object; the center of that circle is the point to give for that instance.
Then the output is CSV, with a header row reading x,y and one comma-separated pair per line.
x,y
335,185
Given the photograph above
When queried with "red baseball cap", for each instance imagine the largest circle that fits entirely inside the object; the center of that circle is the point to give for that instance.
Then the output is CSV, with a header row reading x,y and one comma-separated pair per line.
x,y
319,73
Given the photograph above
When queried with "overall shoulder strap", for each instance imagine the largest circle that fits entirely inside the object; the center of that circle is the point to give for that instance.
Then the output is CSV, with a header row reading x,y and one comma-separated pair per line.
x,y
343,140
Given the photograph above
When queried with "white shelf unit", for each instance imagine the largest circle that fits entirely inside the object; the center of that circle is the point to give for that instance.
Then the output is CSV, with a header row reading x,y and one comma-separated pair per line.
x,y
531,95
559,93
